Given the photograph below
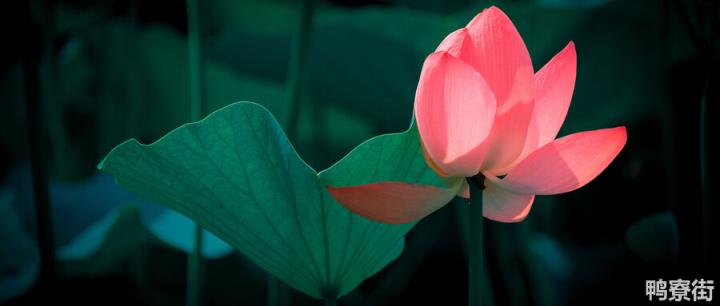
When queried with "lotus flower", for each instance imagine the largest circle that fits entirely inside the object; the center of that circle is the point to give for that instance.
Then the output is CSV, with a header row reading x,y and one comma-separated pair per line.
x,y
481,110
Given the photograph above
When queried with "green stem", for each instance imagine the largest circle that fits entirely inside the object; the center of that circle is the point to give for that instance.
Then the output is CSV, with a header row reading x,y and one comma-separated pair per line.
x,y
298,57
194,270
277,292
704,196
39,46
195,62
475,245
197,95
331,301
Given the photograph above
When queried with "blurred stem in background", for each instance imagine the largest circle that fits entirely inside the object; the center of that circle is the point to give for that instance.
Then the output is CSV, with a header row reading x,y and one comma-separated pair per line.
x,y
330,302
708,32
197,95
195,271
195,62
703,177
39,47
134,93
704,180
296,66
475,244
704,37
278,292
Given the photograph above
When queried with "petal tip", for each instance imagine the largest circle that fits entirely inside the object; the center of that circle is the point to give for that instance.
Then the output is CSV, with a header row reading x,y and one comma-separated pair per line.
x,y
492,13
571,50
494,9
618,131
567,163
438,56
571,46
622,132
456,43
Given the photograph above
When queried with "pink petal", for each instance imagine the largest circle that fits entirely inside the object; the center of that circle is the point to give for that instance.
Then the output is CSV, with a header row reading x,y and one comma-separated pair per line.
x,y
500,204
464,190
567,163
507,138
431,163
493,46
454,109
501,57
554,84
458,44
393,202
505,206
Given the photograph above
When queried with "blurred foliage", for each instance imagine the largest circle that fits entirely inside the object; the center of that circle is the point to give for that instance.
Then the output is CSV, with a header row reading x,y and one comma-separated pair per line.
x,y
18,252
655,238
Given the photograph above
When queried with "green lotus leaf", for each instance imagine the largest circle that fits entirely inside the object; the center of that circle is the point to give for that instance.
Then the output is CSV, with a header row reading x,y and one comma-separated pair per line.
x,y
236,174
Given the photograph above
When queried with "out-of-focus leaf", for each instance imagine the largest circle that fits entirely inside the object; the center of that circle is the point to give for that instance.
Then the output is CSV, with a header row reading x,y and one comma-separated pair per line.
x,y
84,211
135,72
122,244
258,16
654,238
91,239
167,226
544,270
178,231
236,174
18,252
368,61
107,244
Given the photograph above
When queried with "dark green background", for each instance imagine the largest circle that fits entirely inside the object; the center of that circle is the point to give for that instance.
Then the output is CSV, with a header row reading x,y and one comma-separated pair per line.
x,y
113,70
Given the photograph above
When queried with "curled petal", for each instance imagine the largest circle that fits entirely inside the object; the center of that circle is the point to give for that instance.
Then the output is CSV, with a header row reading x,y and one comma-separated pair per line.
x,y
431,163
393,202
567,163
454,109
502,205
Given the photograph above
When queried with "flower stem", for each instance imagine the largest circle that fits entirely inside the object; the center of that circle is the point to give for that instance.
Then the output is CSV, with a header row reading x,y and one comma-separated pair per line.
x,y
475,245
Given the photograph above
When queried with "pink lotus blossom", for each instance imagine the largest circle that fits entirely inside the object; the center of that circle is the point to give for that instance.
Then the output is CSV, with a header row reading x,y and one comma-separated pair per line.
x,y
481,109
